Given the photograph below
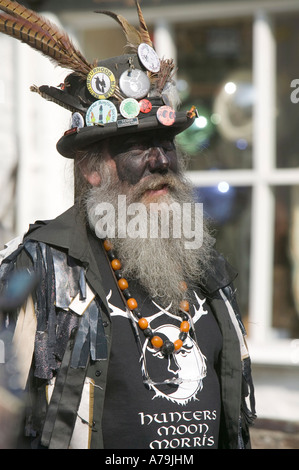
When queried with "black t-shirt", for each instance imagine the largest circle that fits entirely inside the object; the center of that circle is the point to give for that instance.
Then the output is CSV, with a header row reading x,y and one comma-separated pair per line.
x,y
141,411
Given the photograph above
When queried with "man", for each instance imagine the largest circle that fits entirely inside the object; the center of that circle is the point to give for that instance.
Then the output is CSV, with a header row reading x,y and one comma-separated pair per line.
x,y
132,338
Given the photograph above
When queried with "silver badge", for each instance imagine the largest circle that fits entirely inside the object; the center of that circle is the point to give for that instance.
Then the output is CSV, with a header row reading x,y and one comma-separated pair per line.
x,y
134,83
148,57
77,120
127,122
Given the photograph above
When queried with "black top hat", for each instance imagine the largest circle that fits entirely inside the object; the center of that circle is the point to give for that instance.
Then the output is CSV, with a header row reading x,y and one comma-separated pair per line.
x,y
128,94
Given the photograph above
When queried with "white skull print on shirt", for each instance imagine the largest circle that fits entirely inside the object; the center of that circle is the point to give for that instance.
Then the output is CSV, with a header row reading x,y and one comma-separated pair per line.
x,y
186,368
159,402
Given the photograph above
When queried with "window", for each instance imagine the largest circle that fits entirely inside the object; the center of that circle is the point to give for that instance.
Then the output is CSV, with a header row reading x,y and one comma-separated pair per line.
x,y
285,318
215,74
238,72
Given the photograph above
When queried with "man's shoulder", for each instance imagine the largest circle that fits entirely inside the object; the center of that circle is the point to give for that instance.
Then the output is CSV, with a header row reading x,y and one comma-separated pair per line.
x,y
39,231
10,247
62,222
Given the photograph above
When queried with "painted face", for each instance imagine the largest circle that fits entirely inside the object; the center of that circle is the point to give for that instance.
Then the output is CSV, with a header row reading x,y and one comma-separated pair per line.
x,y
139,156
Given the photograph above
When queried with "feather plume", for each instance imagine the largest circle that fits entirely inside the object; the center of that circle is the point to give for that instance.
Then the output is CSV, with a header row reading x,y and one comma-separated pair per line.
x,y
134,36
145,37
17,10
42,35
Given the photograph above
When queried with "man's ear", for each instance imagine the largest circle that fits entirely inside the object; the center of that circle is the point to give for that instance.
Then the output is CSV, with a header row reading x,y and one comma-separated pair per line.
x,y
91,176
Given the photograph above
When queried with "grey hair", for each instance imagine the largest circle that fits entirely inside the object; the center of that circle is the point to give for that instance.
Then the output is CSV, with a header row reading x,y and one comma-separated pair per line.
x,y
92,158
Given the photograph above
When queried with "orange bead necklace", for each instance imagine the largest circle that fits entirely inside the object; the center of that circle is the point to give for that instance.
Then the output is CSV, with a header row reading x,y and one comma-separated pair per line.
x,y
167,347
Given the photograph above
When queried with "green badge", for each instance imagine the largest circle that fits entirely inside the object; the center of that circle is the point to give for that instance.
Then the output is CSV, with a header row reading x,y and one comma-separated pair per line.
x,y
129,108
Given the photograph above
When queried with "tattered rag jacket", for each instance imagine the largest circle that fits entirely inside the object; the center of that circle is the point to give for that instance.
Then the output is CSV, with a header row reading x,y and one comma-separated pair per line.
x,y
63,338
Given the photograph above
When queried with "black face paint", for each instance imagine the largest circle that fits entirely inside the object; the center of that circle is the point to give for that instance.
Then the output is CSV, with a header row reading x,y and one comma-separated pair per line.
x,y
141,155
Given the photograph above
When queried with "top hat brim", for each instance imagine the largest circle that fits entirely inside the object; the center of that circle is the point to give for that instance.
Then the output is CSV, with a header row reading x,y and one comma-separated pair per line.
x,y
81,138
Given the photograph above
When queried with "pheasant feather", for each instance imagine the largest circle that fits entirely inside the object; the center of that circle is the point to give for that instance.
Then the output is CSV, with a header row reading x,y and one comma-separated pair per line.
x,y
18,10
145,37
133,35
42,35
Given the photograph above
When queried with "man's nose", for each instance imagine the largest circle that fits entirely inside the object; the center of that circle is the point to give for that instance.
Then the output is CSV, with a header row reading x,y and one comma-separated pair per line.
x,y
158,161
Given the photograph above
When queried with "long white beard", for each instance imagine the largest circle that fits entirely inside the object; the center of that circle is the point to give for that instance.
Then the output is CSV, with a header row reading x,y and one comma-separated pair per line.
x,y
158,264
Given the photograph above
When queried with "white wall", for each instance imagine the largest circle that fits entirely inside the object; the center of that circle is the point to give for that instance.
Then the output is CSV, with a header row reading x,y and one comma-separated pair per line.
x,y
8,150
29,129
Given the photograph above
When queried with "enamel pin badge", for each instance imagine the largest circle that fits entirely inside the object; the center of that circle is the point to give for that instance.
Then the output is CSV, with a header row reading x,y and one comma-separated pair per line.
x,y
166,115
148,57
129,108
134,83
101,112
101,82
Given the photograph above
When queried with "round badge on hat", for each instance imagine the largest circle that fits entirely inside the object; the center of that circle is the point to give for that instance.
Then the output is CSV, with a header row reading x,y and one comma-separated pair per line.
x,y
101,112
77,120
129,108
148,57
134,83
166,115
145,106
101,82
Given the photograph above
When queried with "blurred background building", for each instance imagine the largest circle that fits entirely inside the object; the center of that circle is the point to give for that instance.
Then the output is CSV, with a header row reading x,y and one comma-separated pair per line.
x,y
238,62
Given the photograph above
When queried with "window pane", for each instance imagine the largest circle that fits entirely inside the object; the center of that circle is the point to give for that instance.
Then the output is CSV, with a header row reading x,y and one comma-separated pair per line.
x,y
287,35
286,263
230,214
214,73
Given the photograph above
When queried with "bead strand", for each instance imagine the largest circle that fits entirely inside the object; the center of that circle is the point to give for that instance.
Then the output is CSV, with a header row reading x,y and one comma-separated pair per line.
x,y
166,347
